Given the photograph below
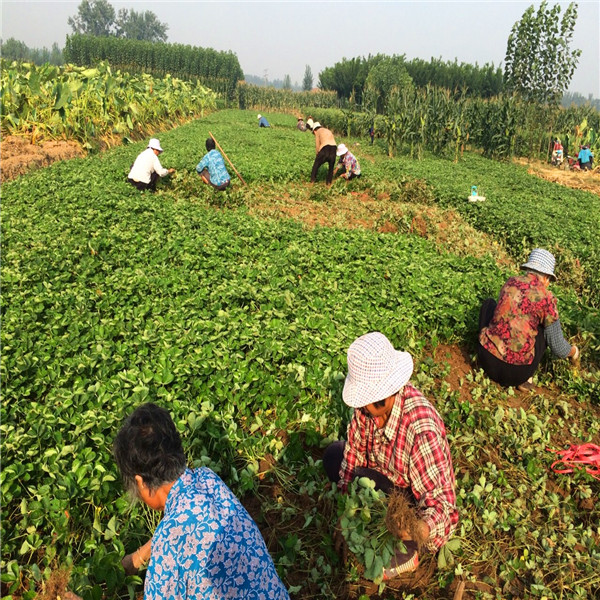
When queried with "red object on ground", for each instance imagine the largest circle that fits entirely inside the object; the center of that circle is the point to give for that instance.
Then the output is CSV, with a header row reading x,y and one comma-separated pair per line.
x,y
577,457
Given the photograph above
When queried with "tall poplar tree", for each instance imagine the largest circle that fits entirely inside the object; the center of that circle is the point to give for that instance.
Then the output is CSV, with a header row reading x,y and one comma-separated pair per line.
x,y
539,63
307,82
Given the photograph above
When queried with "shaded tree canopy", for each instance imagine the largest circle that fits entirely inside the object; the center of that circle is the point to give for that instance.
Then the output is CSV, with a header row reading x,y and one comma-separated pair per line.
x,y
98,18
94,17
140,26
539,64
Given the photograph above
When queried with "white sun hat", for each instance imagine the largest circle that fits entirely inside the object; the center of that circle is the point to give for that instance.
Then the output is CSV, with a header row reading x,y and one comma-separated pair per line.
x,y
259,116
310,123
341,150
155,145
542,261
375,370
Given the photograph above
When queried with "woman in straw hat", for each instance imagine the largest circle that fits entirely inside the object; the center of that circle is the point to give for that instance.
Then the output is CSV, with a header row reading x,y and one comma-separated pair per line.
x,y
514,332
397,439
348,163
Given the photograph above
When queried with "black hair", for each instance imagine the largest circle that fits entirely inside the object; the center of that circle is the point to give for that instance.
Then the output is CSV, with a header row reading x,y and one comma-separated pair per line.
x,y
210,144
149,445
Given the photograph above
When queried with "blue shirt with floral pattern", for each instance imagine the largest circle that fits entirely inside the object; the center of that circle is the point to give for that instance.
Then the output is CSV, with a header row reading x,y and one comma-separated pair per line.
x,y
213,161
207,546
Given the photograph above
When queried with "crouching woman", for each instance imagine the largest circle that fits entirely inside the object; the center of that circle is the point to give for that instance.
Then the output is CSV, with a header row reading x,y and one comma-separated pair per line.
x,y
396,438
206,545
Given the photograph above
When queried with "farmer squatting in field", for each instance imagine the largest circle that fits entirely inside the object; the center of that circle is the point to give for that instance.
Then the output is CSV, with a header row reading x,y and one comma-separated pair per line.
x,y
212,167
326,149
514,332
396,438
206,545
348,163
146,169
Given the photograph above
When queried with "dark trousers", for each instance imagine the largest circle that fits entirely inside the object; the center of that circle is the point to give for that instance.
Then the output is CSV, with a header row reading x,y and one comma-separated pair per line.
x,y
332,461
325,155
497,370
140,185
206,178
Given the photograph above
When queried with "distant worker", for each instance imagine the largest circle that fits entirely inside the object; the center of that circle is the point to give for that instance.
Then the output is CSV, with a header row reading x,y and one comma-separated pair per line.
x,y
372,133
348,163
146,169
585,158
212,168
514,332
301,126
326,149
557,153
262,122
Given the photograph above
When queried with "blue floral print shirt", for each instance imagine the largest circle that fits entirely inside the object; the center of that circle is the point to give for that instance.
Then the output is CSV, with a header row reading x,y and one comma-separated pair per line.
x,y
213,161
208,547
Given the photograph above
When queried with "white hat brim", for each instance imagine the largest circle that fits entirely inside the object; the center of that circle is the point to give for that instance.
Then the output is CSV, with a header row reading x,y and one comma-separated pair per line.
x,y
358,394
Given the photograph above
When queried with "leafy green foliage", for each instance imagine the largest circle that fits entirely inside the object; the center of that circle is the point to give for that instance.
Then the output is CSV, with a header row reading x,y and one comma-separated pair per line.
x,y
539,63
239,327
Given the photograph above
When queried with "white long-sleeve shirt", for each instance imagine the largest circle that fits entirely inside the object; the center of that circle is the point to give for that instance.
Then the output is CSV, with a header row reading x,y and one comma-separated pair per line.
x,y
146,164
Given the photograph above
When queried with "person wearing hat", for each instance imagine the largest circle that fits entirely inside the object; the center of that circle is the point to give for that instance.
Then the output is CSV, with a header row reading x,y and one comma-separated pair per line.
x,y
396,438
262,122
348,163
301,125
212,169
514,332
146,169
326,149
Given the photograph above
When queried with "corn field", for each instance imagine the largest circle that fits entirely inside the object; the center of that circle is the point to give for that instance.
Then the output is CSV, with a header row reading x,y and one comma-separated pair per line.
x,y
254,97
92,104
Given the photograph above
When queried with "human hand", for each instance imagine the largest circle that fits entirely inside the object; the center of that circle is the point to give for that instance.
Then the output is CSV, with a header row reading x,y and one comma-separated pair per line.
x,y
574,356
171,170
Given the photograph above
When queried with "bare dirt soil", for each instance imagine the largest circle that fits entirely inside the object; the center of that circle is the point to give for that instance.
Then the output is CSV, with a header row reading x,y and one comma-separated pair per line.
x,y
18,155
579,180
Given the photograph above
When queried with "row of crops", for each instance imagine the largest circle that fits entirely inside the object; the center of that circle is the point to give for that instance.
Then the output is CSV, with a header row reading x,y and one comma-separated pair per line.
x,y
435,120
93,104
239,326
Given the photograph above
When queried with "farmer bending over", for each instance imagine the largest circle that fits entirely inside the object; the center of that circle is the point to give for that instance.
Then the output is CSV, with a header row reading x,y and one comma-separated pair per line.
x,y
514,332
206,545
262,121
348,163
146,169
585,158
326,149
212,168
397,439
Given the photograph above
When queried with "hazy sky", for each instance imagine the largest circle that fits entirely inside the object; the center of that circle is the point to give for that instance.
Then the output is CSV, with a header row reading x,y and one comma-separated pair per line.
x,y
279,38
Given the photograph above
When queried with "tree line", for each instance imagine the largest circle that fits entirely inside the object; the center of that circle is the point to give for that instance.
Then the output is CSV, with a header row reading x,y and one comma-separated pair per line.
x,y
215,69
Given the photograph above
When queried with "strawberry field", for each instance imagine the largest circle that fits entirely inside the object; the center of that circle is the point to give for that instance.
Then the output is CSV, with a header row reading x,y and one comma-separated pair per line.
x,y
234,311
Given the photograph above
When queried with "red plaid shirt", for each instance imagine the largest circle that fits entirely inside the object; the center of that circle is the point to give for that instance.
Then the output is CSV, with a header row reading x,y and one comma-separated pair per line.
x,y
412,451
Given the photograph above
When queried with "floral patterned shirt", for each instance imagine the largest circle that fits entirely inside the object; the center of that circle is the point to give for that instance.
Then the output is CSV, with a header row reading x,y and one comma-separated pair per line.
x,y
208,547
524,304
350,163
411,451
213,161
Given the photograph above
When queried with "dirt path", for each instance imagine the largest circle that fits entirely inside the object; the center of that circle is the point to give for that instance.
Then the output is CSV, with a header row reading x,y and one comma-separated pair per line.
x,y
19,156
579,180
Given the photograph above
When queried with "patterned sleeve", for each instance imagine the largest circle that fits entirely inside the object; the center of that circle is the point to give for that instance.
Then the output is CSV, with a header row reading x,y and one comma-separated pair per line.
x,y
203,164
556,340
354,450
164,579
551,311
432,482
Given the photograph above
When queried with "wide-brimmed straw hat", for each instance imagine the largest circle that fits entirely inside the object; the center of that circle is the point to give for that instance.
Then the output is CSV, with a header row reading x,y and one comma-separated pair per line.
x,y
341,150
375,370
155,145
541,261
